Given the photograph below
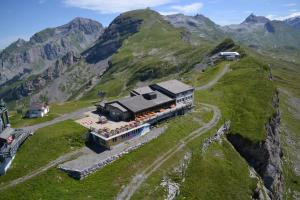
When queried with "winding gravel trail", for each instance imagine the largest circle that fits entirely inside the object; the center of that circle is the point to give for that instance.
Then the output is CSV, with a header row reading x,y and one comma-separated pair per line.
x,y
215,80
34,173
137,180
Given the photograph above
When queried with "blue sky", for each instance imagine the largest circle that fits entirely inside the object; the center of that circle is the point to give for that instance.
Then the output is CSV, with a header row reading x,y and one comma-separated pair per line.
x,y
21,19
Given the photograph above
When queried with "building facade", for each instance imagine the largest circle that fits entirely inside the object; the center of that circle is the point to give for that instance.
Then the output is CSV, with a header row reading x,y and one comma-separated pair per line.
x,y
10,139
144,107
230,55
177,90
37,110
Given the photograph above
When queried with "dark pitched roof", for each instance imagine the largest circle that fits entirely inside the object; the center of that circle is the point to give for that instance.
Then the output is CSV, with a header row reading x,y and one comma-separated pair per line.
x,y
142,90
37,106
174,86
120,107
139,103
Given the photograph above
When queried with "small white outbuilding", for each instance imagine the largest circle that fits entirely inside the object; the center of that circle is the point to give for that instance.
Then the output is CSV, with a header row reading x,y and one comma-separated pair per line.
x,y
228,55
38,110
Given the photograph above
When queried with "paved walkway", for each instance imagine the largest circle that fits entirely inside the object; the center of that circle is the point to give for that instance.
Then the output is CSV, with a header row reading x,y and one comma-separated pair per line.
x,y
74,115
88,163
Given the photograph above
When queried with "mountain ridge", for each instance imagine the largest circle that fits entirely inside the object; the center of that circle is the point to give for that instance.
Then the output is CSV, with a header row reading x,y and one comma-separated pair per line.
x,y
254,31
23,58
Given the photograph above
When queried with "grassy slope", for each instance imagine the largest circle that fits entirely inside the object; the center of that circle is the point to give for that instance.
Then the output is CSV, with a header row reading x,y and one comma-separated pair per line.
x,y
46,145
112,177
202,180
155,52
196,77
244,96
105,183
219,173
287,77
290,142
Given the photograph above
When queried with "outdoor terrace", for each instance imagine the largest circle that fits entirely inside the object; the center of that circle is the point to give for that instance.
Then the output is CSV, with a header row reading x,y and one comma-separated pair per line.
x,y
112,128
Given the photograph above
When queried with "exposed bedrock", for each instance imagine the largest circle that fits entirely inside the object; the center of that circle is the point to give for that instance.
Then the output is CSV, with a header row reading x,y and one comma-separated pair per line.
x,y
265,156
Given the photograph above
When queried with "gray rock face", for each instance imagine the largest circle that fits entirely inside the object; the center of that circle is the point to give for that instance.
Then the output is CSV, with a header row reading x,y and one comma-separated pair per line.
x,y
199,25
22,59
258,31
40,81
269,27
254,31
59,82
65,70
265,156
120,29
217,137
255,19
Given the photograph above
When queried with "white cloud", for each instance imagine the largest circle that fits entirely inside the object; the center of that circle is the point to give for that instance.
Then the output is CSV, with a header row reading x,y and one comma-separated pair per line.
x,y
115,6
274,17
291,4
168,12
189,9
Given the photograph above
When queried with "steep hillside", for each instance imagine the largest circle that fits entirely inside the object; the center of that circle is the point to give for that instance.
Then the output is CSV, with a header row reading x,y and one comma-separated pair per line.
x,y
199,25
156,51
63,80
24,58
286,76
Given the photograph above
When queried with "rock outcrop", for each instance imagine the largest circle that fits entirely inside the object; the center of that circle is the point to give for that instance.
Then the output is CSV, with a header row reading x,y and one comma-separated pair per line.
x,y
265,156
217,137
171,187
120,29
40,81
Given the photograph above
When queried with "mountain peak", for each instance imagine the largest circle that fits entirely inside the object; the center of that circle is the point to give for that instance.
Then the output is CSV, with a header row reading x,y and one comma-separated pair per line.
x,y
88,26
20,41
255,19
294,22
80,20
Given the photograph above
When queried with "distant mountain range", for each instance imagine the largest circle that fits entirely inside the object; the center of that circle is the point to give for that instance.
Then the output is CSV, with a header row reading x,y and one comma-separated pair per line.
x,y
294,22
255,31
60,63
